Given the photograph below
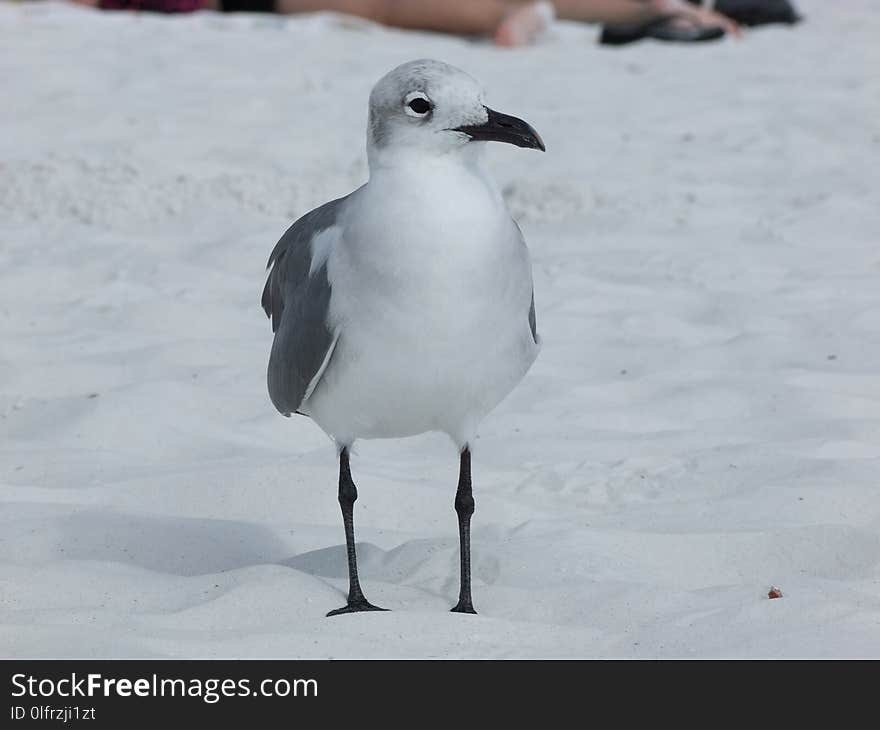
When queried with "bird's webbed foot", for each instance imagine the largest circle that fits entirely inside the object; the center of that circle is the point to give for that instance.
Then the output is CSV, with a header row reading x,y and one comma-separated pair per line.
x,y
356,606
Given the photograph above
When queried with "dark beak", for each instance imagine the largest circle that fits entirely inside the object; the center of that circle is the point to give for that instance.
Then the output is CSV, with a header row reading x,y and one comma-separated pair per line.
x,y
503,128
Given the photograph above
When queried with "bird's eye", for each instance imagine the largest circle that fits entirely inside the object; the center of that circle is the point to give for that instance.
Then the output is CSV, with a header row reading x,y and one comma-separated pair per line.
x,y
417,105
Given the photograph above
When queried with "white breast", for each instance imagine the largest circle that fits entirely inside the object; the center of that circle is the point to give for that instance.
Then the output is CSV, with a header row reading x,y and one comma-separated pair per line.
x,y
431,288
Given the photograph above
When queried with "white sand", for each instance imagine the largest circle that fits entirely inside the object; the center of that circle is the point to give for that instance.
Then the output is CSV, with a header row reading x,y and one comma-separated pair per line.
x,y
703,422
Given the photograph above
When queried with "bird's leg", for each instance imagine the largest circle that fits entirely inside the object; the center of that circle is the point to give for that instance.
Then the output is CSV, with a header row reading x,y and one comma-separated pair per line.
x,y
464,506
347,496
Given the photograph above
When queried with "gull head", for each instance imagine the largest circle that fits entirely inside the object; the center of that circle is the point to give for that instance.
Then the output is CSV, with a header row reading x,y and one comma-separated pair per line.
x,y
431,107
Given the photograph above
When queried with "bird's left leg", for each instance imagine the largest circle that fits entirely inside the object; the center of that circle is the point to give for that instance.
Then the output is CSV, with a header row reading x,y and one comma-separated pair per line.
x,y
347,496
464,507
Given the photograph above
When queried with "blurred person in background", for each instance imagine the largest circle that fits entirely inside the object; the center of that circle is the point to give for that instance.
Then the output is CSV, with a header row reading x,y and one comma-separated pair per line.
x,y
508,22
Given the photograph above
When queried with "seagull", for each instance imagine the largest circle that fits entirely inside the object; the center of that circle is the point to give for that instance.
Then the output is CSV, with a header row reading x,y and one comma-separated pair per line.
x,y
407,306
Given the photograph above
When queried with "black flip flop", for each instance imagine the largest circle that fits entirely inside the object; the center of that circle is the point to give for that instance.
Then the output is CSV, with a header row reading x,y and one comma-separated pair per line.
x,y
663,29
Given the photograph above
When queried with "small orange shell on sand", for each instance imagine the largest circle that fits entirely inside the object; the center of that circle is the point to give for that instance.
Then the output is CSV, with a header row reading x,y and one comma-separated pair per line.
x,y
774,592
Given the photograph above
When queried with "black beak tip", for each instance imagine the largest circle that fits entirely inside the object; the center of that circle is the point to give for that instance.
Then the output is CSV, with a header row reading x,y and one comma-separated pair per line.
x,y
529,139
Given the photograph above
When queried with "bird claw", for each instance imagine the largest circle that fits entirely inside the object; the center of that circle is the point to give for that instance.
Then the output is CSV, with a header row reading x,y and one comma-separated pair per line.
x,y
356,607
463,608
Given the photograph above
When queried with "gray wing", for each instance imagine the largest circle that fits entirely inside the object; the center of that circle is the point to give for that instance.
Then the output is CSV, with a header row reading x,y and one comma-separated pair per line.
x,y
298,302
533,323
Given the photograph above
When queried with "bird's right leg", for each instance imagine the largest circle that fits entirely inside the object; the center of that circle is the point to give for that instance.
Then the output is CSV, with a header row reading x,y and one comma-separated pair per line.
x,y
347,496
464,507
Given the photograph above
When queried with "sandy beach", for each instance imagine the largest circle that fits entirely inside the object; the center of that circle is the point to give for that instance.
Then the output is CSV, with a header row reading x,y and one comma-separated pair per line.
x,y
703,421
